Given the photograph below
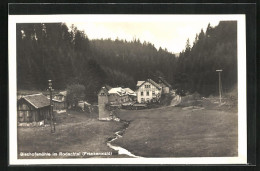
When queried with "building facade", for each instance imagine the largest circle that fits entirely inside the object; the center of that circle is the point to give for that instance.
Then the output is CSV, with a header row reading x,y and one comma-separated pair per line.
x,y
109,96
59,101
148,91
118,95
33,108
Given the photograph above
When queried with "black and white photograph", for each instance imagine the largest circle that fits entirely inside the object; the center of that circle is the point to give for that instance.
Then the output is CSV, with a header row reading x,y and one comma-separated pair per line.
x,y
127,89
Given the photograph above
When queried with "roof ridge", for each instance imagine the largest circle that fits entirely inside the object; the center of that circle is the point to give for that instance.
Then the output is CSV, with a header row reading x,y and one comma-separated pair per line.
x,y
152,82
37,100
30,102
32,94
164,81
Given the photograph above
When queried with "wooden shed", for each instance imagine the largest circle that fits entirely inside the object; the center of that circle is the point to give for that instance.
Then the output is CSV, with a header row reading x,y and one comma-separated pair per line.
x,y
33,108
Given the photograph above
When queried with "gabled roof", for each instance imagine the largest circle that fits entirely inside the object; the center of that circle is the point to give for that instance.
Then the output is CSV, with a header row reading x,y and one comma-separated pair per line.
x,y
164,82
139,83
63,93
130,92
150,81
108,87
56,100
37,100
118,90
154,83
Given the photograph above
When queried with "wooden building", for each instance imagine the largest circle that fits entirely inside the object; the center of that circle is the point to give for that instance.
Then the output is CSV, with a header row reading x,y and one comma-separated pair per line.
x,y
33,108
59,101
109,98
131,94
59,105
61,96
118,96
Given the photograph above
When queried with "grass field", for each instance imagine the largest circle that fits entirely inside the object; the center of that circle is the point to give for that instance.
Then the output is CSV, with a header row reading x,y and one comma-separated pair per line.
x,y
76,132
161,132
175,132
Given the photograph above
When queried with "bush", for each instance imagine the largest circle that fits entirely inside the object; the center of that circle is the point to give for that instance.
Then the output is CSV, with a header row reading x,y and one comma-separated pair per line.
x,y
166,99
75,93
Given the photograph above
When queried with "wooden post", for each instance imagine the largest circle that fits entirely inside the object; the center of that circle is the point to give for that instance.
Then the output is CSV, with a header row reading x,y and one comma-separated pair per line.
x,y
219,84
51,108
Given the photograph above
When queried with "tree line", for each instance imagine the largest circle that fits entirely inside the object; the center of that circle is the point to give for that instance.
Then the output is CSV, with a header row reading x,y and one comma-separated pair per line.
x,y
214,49
66,56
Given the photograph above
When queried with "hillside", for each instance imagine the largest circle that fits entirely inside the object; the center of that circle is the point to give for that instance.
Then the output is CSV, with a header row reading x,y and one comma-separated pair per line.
x,y
52,51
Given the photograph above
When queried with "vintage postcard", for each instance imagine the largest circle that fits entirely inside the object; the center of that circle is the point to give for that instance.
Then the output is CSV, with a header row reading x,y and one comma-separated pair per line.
x,y
127,89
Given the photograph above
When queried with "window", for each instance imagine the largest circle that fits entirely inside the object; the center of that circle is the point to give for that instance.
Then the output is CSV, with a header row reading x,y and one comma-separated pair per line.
x,y
142,93
142,100
28,114
153,93
147,86
147,93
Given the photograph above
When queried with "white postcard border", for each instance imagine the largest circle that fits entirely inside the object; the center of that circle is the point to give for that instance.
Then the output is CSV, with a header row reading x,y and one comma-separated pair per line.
x,y
242,98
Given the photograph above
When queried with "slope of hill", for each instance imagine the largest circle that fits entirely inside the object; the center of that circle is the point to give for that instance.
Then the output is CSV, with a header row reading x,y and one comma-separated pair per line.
x,y
50,51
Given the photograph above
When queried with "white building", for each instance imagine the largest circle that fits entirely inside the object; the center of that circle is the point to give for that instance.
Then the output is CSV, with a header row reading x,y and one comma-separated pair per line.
x,y
119,95
148,91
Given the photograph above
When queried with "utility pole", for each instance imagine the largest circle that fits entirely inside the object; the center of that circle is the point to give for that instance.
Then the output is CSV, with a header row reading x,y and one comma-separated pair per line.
x,y
51,108
219,84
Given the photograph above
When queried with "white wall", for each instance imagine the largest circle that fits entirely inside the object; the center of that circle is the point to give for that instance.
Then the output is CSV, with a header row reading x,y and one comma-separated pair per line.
x,y
144,90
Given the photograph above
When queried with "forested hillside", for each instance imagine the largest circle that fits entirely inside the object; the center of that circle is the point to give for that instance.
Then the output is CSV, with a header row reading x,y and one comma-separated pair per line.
x,y
53,51
212,50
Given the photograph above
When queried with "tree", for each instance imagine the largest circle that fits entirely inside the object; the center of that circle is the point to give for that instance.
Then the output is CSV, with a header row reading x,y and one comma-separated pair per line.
x,y
75,93
214,49
187,47
53,51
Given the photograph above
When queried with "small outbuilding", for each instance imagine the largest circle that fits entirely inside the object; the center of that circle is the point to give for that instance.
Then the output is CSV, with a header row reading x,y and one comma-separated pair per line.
x,y
59,101
33,108
166,87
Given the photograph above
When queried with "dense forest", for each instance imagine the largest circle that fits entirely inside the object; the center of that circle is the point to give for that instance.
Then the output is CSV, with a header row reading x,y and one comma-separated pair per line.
x,y
212,50
66,55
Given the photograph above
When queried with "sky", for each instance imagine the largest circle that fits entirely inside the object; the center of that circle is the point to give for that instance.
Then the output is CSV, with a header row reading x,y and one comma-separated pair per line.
x,y
171,35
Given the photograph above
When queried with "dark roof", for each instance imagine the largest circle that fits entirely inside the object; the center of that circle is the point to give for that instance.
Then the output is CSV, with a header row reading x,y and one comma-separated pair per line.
x,y
37,100
108,87
165,82
152,82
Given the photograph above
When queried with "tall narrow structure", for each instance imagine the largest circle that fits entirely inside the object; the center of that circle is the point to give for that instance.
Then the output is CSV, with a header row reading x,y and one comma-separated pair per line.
x,y
219,85
103,113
